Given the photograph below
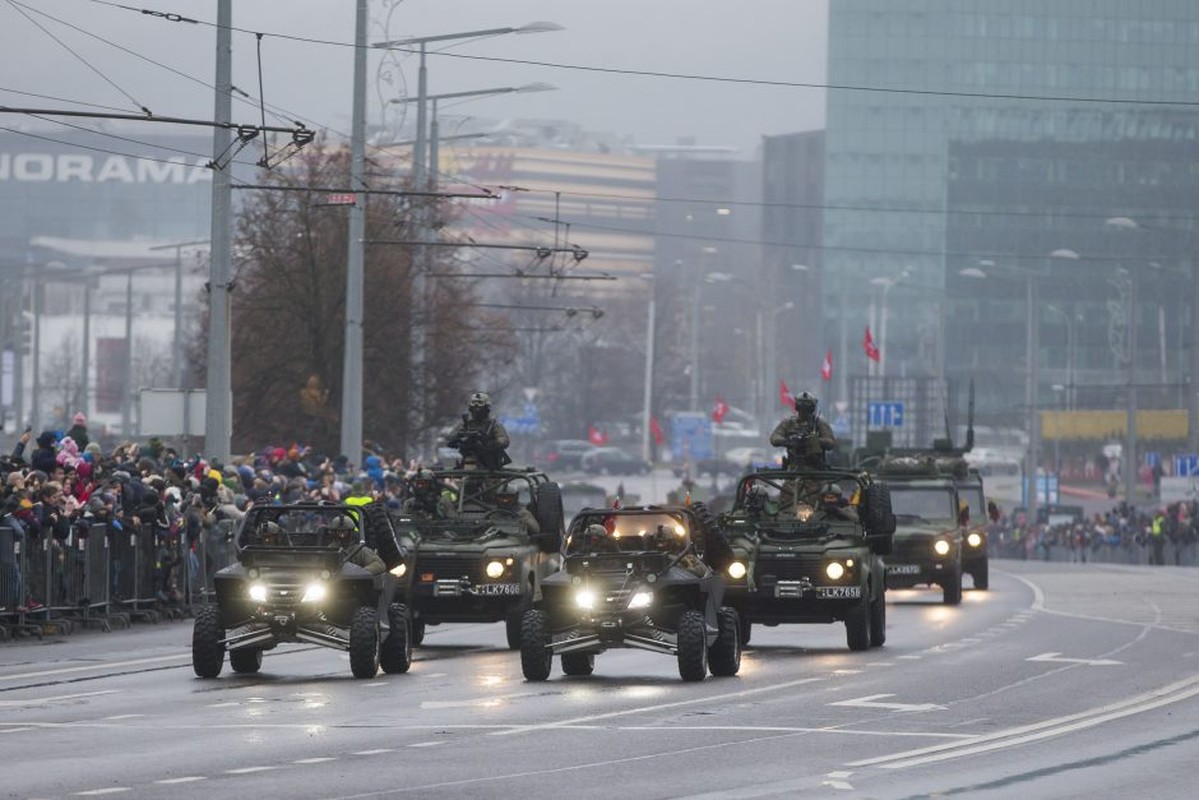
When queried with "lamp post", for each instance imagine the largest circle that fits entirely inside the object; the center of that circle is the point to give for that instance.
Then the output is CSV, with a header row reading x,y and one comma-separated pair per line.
x,y
769,390
1071,345
1130,340
887,285
648,396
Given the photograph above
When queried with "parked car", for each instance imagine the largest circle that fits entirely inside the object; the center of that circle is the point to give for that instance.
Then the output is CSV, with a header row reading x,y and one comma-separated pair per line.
x,y
562,454
613,460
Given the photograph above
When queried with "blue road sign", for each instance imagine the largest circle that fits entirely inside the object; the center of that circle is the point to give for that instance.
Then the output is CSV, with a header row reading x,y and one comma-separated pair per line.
x,y
884,415
1186,464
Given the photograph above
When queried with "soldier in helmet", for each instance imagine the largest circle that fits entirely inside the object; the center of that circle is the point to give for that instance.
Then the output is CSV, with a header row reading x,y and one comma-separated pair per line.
x,y
343,531
806,436
480,437
427,499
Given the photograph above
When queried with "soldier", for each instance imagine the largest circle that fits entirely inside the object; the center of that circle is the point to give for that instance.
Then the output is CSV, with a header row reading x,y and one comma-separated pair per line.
x,y
355,551
427,498
510,501
806,436
480,437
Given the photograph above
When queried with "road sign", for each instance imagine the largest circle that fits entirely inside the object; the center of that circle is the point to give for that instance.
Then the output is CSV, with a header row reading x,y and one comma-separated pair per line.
x,y
1186,464
341,198
884,415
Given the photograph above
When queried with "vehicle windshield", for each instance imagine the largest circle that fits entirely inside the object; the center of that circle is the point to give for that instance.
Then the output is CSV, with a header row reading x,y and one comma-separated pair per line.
x,y
306,526
924,502
973,495
799,498
660,532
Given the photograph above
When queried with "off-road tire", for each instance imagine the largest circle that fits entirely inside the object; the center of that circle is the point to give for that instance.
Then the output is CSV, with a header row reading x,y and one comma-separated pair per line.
x,y
711,537
745,630
547,508
364,643
246,661
981,577
208,654
878,620
879,519
724,656
418,632
692,646
857,626
536,660
578,664
514,621
395,654
951,588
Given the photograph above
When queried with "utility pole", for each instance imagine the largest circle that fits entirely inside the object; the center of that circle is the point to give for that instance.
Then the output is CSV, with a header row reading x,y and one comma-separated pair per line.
x,y
218,419
351,383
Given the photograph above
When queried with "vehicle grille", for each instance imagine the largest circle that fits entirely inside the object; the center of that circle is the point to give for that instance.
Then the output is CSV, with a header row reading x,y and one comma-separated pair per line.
x,y
910,551
450,567
788,569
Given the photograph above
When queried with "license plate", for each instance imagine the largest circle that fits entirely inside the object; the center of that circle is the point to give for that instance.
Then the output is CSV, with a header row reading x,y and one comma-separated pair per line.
x,y
498,588
903,569
838,591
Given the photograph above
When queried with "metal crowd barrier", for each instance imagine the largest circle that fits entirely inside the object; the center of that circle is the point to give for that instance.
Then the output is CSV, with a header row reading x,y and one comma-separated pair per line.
x,y
211,550
13,568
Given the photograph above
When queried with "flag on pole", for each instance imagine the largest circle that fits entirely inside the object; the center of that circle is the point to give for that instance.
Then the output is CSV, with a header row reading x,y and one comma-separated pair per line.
x,y
596,436
826,366
656,430
785,394
870,347
720,409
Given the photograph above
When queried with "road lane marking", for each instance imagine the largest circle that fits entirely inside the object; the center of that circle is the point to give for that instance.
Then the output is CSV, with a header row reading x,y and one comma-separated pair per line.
x,y
768,729
314,760
110,790
49,673
427,744
56,698
17,730
1057,659
871,701
248,770
837,780
1166,695
116,717
775,687
184,779
486,702
911,657
380,751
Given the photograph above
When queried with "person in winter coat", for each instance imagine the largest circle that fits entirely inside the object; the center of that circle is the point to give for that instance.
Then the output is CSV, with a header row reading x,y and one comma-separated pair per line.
x,y
78,431
44,457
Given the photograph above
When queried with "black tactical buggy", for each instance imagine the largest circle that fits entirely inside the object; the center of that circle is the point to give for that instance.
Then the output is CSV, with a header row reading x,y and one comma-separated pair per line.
x,y
483,562
296,580
808,547
641,583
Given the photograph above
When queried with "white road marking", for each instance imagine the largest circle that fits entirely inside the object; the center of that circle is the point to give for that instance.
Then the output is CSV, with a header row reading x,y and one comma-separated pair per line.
x,y
838,785
50,673
123,716
37,701
1166,695
111,790
427,744
715,698
373,752
847,671
1057,659
871,701
435,675
248,770
17,730
315,760
767,729
880,663
491,700
185,779
911,658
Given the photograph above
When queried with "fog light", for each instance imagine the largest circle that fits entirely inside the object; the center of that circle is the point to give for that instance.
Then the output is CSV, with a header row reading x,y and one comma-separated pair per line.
x,y
399,570
641,599
258,593
585,598
314,593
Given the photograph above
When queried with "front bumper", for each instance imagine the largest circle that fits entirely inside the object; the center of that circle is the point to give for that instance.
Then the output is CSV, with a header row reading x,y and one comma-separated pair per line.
x,y
794,600
270,626
597,632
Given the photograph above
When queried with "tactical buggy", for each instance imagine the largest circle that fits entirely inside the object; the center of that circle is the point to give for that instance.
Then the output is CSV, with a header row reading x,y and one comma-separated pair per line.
x,y
632,577
483,562
296,580
808,547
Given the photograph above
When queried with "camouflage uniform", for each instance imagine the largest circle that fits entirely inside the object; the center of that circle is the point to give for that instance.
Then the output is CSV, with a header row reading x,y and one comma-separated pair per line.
x,y
481,436
805,435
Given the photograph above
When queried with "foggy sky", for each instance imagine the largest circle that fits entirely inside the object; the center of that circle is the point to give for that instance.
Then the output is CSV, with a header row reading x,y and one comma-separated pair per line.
x,y
761,39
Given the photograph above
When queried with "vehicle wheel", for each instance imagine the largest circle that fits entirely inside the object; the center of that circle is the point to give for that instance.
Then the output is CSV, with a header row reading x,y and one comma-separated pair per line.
x,y
857,626
536,660
514,619
878,620
744,629
692,646
418,632
246,661
951,588
395,654
981,577
879,519
208,654
578,663
724,656
547,508
364,643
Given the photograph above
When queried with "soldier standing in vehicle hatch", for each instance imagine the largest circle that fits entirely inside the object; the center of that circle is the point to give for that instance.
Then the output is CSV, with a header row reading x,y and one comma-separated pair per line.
x,y
806,436
480,437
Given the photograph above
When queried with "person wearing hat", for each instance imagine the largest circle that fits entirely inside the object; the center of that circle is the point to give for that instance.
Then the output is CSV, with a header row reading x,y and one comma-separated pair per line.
x,y
44,457
78,430
480,437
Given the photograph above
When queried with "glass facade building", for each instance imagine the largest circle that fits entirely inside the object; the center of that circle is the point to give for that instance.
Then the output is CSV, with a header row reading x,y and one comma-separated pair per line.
x,y
983,135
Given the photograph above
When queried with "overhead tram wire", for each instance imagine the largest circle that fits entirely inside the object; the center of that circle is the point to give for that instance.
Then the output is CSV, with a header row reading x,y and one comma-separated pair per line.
x,y
700,77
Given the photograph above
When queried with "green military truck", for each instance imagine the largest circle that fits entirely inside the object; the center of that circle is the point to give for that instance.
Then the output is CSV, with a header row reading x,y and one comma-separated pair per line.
x,y
808,548
483,560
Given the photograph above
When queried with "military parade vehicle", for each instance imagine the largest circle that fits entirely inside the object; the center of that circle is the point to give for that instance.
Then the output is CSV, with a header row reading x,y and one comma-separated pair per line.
x,y
808,547
975,561
482,556
633,577
303,574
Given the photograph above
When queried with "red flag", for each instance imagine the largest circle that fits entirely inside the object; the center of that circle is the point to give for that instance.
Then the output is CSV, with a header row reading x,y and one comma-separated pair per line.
x,y
826,366
596,436
720,409
656,430
870,347
785,394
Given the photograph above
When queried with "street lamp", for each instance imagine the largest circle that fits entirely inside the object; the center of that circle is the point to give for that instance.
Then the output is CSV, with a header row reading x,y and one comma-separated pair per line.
x,y
648,396
888,284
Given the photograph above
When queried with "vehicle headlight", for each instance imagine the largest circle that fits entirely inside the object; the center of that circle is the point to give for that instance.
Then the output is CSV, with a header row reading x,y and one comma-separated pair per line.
x,y
974,540
585,598
641,599
399,570
495,569
803,512
941,547
737,570
258,592
314,593
834,570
